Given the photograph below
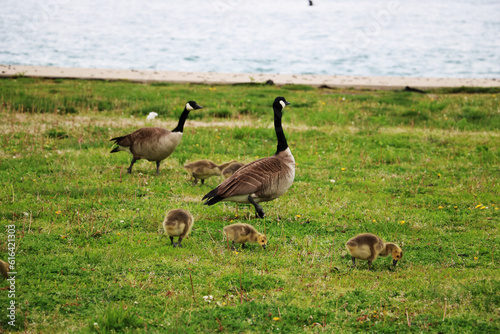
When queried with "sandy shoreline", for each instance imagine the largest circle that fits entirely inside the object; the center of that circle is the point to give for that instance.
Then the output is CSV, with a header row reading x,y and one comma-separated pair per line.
x,y
334,81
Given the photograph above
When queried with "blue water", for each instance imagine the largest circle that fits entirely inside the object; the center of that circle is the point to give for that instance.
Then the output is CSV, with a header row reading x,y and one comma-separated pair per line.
x,y
441,38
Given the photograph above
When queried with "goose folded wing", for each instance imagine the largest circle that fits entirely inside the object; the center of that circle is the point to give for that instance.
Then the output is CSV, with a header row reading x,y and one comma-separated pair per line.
x,y
250,178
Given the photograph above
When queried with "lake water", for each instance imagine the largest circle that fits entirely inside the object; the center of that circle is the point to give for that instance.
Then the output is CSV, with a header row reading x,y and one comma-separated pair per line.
x,y
441,38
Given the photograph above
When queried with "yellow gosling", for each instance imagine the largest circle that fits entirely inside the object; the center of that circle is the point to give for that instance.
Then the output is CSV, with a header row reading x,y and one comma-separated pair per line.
x,y
4,269
233,167
178,223
203,169
243,233
368,246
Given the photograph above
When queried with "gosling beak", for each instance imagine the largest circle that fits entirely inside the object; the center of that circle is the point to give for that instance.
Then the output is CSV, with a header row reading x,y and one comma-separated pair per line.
x,y
394,262
264,246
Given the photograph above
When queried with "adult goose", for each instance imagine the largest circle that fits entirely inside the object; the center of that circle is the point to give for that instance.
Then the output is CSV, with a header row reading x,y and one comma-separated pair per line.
x,y
153,144
261,180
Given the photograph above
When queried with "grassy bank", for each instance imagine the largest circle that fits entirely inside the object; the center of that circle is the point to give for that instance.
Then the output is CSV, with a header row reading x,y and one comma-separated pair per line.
x,y
420,170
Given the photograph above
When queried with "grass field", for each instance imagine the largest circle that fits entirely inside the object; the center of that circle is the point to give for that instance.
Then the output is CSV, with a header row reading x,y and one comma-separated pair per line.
x,y
419,170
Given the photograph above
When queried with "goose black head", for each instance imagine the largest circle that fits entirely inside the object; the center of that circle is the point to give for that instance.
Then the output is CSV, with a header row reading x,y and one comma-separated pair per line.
x,y
280,103
191,105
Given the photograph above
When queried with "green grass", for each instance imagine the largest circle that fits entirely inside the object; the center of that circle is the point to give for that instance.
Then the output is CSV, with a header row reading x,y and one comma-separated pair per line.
x,y
420,170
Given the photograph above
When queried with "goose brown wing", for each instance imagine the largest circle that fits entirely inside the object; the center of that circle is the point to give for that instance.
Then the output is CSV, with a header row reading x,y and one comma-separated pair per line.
x,y
140,135
250,178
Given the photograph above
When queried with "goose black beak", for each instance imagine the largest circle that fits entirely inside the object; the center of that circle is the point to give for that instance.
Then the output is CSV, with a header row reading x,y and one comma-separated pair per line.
x,y
197,106
394,262
287,103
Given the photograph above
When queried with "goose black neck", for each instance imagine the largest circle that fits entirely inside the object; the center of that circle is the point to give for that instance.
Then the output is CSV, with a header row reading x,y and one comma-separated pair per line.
x,y
282,144
182,120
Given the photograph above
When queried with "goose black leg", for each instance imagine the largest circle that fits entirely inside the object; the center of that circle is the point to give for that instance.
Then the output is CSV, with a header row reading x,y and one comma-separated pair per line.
x,y
129,169
259,212
157,168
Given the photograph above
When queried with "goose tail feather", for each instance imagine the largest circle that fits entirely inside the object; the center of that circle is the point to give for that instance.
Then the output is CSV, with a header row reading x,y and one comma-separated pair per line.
x,y
212,197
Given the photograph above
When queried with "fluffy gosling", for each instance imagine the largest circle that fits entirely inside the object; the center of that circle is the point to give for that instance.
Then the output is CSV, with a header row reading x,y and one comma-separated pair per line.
x,y
233,167
203,169
178,223
4,269
368,246
243,233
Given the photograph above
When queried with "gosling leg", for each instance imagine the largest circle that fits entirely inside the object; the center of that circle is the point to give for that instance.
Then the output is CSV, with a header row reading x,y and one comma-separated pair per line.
x,y
353,261
259,212
202,181
129,169
172,240
179,242
233,247
369,265
243,246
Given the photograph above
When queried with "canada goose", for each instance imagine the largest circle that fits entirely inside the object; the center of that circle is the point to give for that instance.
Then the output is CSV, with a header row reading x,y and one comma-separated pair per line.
x,y
368,246
178,223
261,180
4,269
203,169
243,233
153,144
233,167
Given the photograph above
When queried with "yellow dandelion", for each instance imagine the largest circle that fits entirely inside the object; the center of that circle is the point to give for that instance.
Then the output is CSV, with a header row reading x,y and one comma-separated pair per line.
x,y
483,207
236,253
475,258
456,207
298,216
58,212
439,175
118,234
235,216
276,318
231,221
402,222
440,207
374,221
223,303
478,206
496,208
342,169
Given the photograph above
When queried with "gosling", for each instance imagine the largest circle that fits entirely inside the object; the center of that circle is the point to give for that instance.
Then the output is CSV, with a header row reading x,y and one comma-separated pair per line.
x,y
178,223
368,246
203,169
243,233
233,167
4,269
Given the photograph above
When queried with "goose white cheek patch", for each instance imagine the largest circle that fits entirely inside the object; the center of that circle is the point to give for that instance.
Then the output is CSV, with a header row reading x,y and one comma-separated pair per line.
x,y
283,105
188,107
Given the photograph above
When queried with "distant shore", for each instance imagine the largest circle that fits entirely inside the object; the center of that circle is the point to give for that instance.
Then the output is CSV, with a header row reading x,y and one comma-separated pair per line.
x,y
333,81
